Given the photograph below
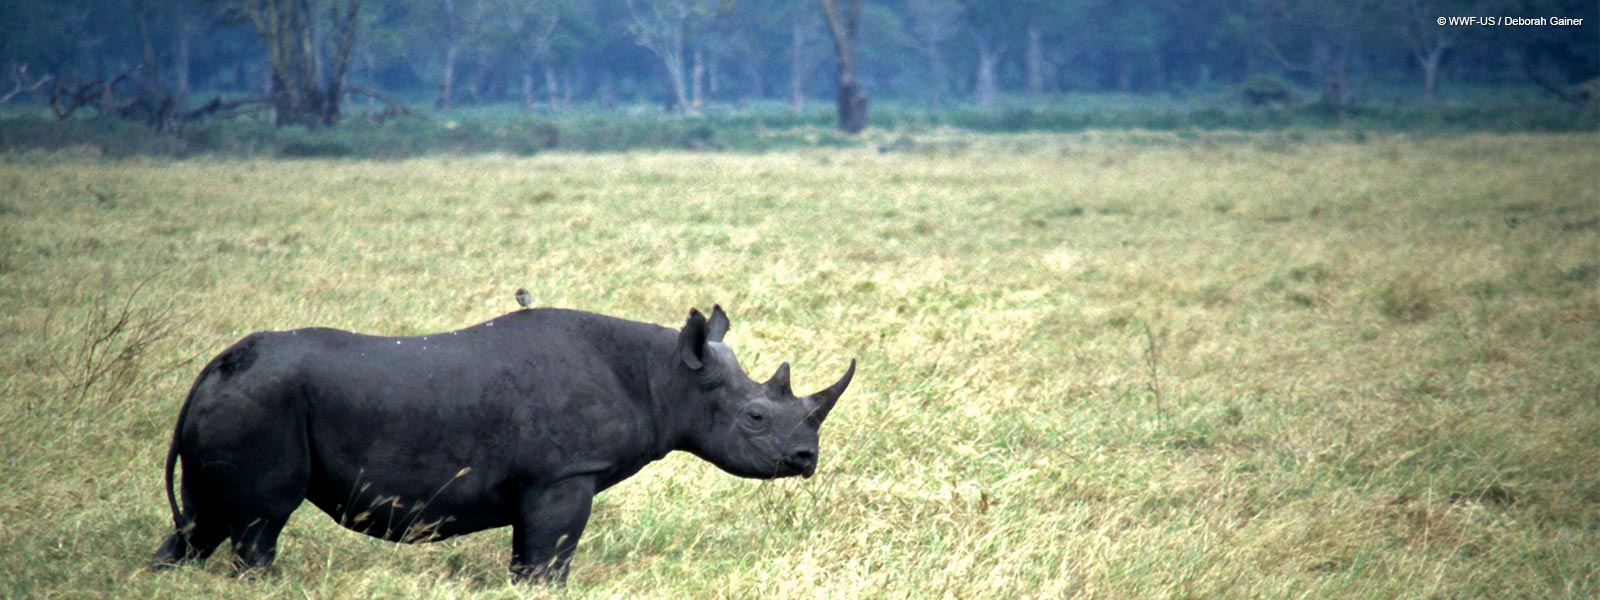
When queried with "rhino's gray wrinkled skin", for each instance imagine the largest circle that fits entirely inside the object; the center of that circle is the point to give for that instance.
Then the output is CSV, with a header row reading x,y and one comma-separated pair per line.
x,y
518,421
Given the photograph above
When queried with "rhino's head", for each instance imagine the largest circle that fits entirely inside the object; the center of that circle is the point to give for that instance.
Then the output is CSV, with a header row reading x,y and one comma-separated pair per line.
x,y
749,429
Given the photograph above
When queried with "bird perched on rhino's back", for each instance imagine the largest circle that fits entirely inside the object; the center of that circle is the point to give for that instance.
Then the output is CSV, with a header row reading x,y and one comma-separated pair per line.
x,y
524,299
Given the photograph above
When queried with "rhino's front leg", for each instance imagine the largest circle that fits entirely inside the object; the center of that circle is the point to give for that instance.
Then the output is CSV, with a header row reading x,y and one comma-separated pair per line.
x,y
547,533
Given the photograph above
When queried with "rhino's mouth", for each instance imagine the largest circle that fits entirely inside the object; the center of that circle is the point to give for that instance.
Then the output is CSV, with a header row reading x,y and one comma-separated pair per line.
x,y
804,465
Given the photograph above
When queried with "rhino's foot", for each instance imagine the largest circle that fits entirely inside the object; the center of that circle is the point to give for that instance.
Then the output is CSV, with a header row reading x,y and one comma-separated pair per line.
x,y
555,575
180,548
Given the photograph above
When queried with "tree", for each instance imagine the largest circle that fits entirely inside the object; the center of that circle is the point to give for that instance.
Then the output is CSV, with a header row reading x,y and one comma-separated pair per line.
x,y
774,41
462,29
1554,58
995,28
306,87
992,29
932,23
1314,38
512,39
539,33
661,27
1427,41
800,37
843,26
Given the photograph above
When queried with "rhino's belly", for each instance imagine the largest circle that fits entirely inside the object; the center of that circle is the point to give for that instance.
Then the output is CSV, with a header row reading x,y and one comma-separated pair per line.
x,y
411,513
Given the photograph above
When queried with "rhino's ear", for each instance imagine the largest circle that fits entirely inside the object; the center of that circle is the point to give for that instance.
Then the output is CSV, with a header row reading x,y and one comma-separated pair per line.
x,y
692,341
718,326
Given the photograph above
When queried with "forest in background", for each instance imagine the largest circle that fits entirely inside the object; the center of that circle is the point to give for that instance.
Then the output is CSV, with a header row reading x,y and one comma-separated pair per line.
x,y
699,55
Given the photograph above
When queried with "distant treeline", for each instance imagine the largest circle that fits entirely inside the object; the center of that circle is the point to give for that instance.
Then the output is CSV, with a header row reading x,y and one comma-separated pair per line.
x,y
771,126
692,55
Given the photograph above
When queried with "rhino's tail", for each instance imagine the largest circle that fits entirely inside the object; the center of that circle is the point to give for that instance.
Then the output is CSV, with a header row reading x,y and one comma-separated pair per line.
x,y
231,361
174,449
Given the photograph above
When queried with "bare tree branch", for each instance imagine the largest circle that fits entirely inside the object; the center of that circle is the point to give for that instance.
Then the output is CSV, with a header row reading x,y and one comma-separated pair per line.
x,y
19,73
66,99
1550,86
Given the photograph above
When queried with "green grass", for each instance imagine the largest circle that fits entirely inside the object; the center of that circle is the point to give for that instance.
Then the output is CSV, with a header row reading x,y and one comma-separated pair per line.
x,y
1106,364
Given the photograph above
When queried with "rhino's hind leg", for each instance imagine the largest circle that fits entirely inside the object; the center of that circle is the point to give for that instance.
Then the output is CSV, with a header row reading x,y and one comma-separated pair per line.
x,y
255,545
255,512
194,545
249,471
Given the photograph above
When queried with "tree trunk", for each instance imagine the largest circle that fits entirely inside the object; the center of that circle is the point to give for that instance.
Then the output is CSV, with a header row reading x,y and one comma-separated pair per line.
x,y
712,85
697,79
527,90
986,90
680,93
1430,73
1035,60
478,86
180,67
287,30
1336,74
852,107
552,88
370,63
755,84
286,27
345,29
569,82
452,55
852,100
939,81
674,64
147,52
1124,73
447,80
797,95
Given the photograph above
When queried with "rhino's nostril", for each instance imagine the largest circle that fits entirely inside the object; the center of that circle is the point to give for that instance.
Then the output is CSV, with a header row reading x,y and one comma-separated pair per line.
x,y
804,459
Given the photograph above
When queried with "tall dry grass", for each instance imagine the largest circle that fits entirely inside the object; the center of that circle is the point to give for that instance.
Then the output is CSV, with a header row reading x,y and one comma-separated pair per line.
x,y
1093,365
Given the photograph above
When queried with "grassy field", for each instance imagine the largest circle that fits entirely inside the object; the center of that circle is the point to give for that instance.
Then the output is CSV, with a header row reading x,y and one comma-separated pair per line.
x,y
1104,365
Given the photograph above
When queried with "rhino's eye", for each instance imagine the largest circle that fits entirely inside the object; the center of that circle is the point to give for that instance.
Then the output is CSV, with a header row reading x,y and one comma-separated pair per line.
x,y
755,418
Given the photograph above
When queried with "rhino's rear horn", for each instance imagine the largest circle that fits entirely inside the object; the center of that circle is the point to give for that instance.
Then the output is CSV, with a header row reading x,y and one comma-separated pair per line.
x,y
825,399
779,384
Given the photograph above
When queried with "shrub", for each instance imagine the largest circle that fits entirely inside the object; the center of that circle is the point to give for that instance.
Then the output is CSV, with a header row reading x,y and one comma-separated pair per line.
x,y
1266,90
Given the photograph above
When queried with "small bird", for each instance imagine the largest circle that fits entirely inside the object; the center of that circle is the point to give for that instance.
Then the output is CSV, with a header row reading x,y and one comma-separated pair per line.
x,y
524,299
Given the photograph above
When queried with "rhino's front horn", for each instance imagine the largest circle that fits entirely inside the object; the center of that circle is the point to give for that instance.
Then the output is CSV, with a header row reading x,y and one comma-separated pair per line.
x,y
780,382
826,398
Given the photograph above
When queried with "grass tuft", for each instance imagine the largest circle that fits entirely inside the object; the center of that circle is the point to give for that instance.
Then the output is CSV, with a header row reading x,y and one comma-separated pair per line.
x,y
1408,298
